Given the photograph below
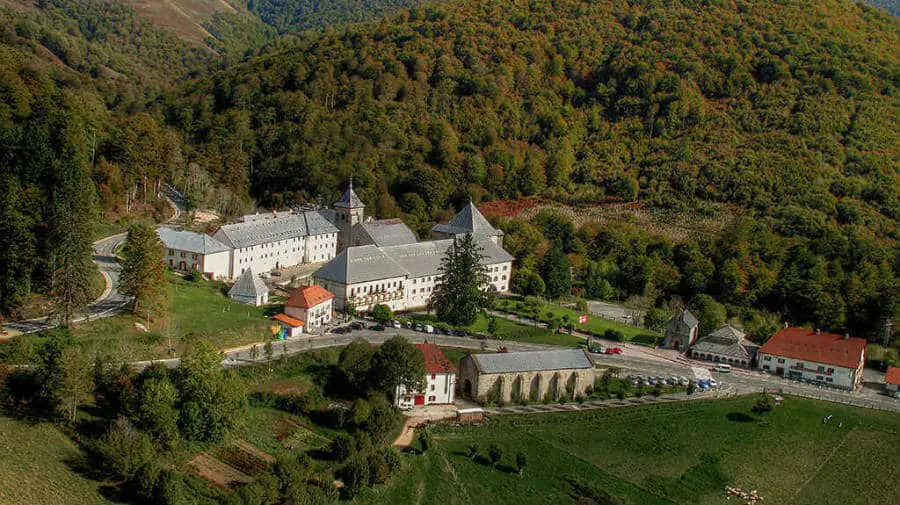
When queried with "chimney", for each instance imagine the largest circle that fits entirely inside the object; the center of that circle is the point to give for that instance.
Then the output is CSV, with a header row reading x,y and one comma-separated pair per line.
x,y
846,336
786,324
818,331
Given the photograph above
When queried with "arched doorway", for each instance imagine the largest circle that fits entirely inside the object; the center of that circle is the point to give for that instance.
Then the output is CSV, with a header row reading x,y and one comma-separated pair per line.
x,y
515,392
553,390
498,393
572,385
467,388
534,393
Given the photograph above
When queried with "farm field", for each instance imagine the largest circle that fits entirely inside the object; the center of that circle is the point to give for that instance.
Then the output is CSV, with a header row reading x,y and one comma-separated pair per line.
x,y
595,325
673,453
200,309
512,330
39,466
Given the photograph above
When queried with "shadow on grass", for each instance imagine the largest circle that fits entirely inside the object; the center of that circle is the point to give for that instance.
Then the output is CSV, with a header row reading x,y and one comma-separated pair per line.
x,y
740,417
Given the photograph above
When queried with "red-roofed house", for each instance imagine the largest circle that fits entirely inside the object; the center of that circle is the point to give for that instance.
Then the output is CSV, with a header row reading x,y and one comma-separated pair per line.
x,y
312,304
440,380
892,381
801,353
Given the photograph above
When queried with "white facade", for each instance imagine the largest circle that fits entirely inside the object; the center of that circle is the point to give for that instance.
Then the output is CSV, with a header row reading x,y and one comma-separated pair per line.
x,y
214,265
832,375
315,316
439,389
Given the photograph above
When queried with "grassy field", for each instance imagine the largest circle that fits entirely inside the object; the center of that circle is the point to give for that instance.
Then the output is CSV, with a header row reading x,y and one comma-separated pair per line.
x,y
595,325
200,309
674,453
38,464
512,330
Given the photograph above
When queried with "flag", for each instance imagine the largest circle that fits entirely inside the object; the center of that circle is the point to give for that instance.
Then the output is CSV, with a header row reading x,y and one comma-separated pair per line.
x,y
582,319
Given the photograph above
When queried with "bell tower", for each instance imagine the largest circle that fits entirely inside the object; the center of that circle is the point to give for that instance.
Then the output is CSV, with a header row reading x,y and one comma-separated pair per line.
x,y
348,211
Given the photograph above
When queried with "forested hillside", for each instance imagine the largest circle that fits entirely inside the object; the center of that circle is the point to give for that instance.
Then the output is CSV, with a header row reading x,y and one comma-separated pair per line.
x,y
787,109
295,15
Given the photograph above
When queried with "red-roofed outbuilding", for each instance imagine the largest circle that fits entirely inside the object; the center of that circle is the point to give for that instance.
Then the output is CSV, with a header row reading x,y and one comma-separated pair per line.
x,y
440,380
827,358
312,304
892,381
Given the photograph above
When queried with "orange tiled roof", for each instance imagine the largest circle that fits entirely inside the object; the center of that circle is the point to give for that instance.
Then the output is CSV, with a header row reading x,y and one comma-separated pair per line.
x,y
307,297
288,320
805,344
435,361
893,375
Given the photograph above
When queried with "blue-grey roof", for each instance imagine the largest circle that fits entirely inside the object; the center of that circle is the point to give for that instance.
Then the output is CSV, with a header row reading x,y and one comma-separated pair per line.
x,y
685,317
726,341
264,228
248,285
384,232
532,361
360,264
317,223
468,220
190,241
349,199
421,258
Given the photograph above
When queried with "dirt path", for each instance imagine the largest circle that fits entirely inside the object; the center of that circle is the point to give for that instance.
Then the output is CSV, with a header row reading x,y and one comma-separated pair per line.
x,y
406,437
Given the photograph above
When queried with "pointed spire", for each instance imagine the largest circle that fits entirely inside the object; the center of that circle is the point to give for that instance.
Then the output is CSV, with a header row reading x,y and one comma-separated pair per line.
x,y
349,200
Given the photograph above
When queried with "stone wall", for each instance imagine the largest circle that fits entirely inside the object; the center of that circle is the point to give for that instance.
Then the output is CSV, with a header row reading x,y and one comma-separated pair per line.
x,y
512,387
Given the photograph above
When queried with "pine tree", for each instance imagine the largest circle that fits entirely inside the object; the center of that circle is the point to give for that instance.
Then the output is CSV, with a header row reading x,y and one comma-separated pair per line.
x,y
555,269
143,272
462,291
72,217
16,247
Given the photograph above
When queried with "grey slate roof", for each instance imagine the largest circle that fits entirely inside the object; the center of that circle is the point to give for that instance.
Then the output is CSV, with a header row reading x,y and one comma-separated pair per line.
x,y
349,199
468,220
360,264
421,258
686,317
190,241
264,228
726,341
387,232
532,361
248,285
317,223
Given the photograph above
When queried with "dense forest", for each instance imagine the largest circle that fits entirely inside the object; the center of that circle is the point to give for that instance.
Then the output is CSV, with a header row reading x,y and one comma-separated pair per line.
x,y
785,111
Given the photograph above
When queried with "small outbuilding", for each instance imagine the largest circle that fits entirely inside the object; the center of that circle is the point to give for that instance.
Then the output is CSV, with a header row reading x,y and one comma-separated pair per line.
x,y
892,381
249,289
726,345
681,331
290,326
528,375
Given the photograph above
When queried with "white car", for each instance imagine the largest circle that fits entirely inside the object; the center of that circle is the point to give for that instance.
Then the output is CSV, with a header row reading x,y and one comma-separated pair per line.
x,y
396,324
713,383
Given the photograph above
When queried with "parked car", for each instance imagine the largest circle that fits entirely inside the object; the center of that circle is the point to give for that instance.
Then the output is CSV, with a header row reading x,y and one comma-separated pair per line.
x,y
396,324
263,275
459,333
713,383
275,273
377,327
357,325
597,349
671,381
684,382
703,384
652,382
340,330
722,367
429,328
419,327
613,350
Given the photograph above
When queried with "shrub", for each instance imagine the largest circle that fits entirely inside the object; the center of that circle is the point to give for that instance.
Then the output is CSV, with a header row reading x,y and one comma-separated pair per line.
x,y
342,447
615,335
124,449
194,276
473,451
355,475
765,403
495,454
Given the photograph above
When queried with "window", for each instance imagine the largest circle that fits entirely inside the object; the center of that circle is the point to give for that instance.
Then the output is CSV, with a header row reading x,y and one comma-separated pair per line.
x,y
171,252
830,371
432,398
829,379
767,358
819,378
781,360
765,367
432,387
820,369
433,376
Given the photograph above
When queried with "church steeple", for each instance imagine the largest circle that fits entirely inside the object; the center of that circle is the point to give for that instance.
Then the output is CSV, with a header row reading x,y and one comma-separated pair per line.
x,y
349,211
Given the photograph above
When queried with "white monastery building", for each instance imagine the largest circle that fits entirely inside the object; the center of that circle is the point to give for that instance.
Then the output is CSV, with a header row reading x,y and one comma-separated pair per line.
x,y
440,380
387,265
188,250
825,358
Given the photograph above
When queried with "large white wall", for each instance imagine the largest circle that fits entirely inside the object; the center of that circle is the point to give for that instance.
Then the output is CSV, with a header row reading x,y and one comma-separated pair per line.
x,y
439,389
847,378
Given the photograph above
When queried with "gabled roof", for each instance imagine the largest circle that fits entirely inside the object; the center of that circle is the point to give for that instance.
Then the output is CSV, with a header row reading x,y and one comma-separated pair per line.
x,y
317,223
726,341
360,264
805,344
435,361
288,320
532,361
349,200
468,220
307,297
386,232
263,229
424,258
893,375
685,317
189,241
248,285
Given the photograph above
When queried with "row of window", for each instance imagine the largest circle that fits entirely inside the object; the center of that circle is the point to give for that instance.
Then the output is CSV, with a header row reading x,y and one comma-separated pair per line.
x,y
497,268
183,254
376,288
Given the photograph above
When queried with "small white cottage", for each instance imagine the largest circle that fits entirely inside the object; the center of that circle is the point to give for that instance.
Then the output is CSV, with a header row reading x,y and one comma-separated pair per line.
x,y
249,289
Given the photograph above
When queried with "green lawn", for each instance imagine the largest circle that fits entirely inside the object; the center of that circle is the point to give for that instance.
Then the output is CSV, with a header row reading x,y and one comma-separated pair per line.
x,y
200,309
39,466
512,330
683,452
595,325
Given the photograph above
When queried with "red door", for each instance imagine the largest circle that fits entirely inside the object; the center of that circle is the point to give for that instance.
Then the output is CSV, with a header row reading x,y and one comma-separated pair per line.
x,y
420,400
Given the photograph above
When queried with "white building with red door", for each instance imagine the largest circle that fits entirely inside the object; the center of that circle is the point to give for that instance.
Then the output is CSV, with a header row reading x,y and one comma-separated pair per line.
x,y
310,304
813,355
440,380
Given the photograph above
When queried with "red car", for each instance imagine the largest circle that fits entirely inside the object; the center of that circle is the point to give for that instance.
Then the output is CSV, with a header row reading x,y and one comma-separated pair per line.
x,y
613,350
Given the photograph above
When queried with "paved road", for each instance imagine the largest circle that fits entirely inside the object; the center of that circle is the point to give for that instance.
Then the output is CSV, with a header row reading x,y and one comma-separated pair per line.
x,y
108,304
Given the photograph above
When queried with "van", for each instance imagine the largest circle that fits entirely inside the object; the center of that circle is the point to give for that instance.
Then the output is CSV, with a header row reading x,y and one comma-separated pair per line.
x,y
429,328
723,368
